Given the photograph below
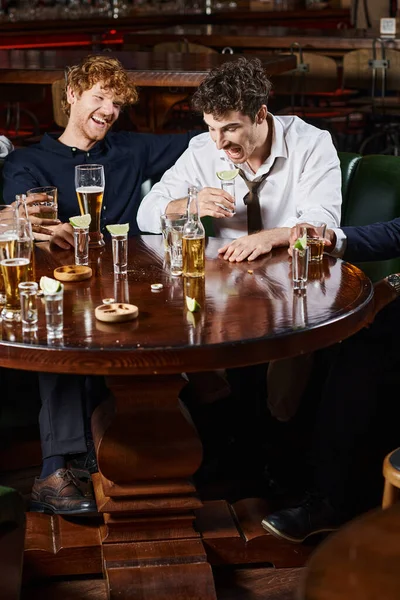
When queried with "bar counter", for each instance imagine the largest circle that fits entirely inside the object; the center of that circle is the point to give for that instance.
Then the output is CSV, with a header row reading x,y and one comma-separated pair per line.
x,y
108,31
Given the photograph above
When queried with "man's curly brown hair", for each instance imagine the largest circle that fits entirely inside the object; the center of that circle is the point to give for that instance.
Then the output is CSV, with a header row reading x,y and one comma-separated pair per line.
x,y
98,68
239,85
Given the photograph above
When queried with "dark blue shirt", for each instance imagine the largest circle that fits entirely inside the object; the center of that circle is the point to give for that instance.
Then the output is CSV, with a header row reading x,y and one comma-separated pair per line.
x,y
129,159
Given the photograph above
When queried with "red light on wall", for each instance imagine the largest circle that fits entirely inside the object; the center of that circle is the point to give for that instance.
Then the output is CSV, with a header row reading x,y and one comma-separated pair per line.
x,y
113,31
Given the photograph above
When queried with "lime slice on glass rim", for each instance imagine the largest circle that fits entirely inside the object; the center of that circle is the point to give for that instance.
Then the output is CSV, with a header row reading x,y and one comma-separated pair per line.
x,y
118,229
192,304
48,285
81,220
301,243
227,175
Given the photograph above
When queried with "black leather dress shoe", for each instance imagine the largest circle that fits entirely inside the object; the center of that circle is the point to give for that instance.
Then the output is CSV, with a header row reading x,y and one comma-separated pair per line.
x,y
313,515
84,464
61,494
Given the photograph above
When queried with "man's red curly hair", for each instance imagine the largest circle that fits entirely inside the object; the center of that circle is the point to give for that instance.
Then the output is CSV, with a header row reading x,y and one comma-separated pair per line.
x,y
106,70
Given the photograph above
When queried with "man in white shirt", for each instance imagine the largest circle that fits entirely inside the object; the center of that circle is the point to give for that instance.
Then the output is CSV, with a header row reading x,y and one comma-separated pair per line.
x,y
295,164
298,165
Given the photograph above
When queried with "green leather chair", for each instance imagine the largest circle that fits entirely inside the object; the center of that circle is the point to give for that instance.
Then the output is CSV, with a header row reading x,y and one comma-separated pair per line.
x,y
371,194
348,164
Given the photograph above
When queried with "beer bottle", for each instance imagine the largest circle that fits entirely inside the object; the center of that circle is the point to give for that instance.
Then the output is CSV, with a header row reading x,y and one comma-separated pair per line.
x,y
193,239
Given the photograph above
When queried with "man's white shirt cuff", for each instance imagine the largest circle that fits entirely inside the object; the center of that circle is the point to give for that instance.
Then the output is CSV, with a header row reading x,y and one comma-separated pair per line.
x,y
341,243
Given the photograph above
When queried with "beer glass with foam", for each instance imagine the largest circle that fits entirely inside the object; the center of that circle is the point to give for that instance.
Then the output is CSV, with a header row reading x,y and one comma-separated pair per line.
x,y
89,185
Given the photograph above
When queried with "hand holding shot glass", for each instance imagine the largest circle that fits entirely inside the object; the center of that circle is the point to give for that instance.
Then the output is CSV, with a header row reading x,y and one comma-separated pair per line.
x,y
315,232
119,240
227,179
46,200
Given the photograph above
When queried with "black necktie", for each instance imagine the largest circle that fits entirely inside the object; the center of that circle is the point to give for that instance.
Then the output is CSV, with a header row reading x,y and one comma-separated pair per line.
x,y
252,201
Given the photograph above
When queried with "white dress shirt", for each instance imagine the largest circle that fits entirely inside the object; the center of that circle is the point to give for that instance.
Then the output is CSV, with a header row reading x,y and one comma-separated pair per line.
x,y
304,181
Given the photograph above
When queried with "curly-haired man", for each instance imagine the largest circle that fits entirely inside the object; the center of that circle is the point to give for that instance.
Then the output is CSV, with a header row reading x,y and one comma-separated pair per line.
x,y
294,166
96,91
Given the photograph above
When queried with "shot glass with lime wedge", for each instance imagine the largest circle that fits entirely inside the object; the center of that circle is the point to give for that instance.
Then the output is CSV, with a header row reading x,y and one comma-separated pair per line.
x,y
119,238
81,225
227,179
300,262
53,292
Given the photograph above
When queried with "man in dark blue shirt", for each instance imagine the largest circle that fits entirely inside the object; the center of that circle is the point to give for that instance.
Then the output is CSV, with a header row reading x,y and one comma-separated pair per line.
x,y
96,90
342,471
129,158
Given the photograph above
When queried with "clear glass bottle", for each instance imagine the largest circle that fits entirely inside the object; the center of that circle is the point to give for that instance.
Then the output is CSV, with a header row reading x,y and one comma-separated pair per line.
x,y
25,235
193,239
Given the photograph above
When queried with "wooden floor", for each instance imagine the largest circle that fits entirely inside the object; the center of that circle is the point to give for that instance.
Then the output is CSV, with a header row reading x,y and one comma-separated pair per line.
x,y
232,583
263,583
245,583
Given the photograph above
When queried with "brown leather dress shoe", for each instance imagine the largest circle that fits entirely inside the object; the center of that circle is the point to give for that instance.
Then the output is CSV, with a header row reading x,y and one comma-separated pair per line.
x,y
60,494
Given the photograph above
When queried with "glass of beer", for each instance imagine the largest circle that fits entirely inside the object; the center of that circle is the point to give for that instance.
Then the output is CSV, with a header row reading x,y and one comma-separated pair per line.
x,y
17,267
8,240
14,271
47,201
89,185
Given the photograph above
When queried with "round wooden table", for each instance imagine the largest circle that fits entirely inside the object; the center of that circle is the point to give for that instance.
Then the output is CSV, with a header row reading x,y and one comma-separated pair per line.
x,y
360,562
156,538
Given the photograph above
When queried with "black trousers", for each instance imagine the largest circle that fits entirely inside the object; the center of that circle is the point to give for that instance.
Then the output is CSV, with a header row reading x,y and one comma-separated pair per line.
x,y
68,402
358,414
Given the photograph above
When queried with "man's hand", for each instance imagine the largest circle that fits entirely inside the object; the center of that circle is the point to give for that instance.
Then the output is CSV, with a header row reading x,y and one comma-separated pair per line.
x,y
215,202
63,236
39,225
252,246
211,201
329,240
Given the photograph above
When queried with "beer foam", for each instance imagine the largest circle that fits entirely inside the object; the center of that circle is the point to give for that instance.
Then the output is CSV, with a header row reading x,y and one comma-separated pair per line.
x,y
90,189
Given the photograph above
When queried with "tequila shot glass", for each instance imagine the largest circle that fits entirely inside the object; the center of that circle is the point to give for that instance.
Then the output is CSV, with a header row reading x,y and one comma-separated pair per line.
x,y
81,245
300,268
54,313
120,253
229,186
28,297
175,235
169,222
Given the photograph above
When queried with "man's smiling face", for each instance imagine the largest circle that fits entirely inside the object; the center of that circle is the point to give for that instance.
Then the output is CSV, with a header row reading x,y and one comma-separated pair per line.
x,y
93,112
236,134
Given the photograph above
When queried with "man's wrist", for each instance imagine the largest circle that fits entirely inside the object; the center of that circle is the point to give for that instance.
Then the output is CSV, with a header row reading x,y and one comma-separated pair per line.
x,y
279,236
177,206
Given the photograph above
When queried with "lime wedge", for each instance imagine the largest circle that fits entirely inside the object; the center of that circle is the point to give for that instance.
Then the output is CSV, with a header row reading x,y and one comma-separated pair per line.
x,y
81,220
301,243
49,285
191,318
118,229
227,175
192,304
